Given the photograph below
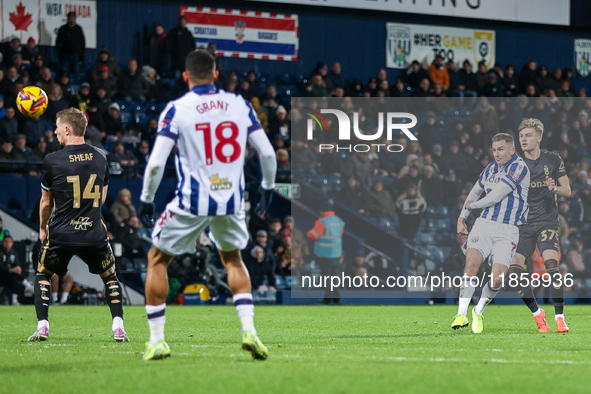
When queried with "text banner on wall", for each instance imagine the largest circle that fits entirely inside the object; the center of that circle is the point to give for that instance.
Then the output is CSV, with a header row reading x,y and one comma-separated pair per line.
x,y
53,14
548,12
405,43
20,18
41,19
245,34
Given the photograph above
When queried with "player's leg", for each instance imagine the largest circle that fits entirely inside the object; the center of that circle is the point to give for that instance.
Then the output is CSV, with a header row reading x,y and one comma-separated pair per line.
x,y
156,291
474,259
52,259
55,284
230,236
489,291
67,284
101,261
556,288
513,281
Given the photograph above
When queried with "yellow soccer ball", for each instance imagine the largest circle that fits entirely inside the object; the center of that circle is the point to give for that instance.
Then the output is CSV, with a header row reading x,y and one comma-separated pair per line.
x,y
32,101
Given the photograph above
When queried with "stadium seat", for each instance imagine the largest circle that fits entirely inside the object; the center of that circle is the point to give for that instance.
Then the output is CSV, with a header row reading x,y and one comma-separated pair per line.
x,y
425,238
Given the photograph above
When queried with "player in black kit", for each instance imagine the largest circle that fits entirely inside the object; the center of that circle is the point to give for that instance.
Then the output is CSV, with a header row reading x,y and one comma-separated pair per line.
x,y
546,168
74,181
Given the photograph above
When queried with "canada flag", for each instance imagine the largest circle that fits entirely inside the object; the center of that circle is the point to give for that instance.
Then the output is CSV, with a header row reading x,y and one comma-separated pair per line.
x,y
21,19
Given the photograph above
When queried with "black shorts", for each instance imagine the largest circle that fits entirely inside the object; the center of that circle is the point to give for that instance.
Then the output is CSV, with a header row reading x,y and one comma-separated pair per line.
x,y
544,234
55,258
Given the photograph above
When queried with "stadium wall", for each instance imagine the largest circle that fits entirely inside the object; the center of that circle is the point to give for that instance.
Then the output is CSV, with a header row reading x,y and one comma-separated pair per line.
x,y
355,38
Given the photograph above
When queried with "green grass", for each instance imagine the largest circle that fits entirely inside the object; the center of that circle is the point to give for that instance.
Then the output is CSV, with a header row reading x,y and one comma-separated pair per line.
x,y
317,349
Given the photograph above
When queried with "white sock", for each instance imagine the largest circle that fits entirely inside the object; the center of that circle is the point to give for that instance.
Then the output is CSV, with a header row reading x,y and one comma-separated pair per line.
x,y
118,323
156,321
538,312
14,298
42,323
54,297
245,309
559,315
466,292
65,295
488,293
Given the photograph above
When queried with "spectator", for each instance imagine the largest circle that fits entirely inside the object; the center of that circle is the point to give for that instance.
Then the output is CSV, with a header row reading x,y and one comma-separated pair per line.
x,y
131,239
509,81
12,48
21,152
157,90
438,72
528,76
431,133
36,67
297,237
67,90
480,77
451,188
565,89
415,74
149,134
30,52
274,238
56,102
45,79
286,260
122,156
359,263
353,196
380,203
158,50
103,59
399,90
3,231
359,167
424,89
574,258
70,45
17,62
95,120
303,158
105,81
254,86
261,114
180,43
3,65
82,99
8,125
64,283
335,76
493,87
123,208
430,186
53,144
486,115
33,130
131,86
259,267
11,271
40,150
5,85
6,155
114,123
283,164
454,159
410,205
543,79
279,125
143,154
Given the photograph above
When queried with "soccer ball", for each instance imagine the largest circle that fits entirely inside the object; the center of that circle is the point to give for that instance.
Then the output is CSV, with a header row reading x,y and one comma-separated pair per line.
x,y
32,101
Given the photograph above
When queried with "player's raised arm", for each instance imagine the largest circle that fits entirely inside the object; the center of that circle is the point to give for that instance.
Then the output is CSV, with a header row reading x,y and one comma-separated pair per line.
x,y
167,136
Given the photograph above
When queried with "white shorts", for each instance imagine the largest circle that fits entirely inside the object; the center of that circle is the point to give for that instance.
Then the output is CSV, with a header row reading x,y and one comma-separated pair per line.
x,y
176,231
495,239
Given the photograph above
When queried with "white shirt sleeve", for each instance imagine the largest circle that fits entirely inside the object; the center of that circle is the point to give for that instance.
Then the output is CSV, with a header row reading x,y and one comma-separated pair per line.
x,y
474,195
155,168
500,191
259,140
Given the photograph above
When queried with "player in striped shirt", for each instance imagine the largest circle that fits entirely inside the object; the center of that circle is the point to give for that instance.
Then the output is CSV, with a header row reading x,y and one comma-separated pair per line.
x,y
210,128
495,233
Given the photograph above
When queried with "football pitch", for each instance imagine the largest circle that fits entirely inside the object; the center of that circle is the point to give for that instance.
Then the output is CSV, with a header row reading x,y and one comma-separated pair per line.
x,y
313,349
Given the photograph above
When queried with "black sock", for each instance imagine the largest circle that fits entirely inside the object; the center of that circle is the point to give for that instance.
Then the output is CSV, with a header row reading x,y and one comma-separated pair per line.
x,y
557,289
526,293
42,295
114,296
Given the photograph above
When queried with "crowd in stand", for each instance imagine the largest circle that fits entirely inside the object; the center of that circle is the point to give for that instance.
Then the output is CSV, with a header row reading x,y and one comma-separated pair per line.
x,y
460,110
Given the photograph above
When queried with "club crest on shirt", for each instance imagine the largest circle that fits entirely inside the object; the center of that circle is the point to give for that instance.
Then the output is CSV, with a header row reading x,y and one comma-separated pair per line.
x,y
475,239
546,170
218,183
518,174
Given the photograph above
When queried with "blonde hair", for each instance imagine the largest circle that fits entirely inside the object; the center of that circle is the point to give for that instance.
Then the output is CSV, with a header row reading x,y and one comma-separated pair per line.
x,y
533,124
75,119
